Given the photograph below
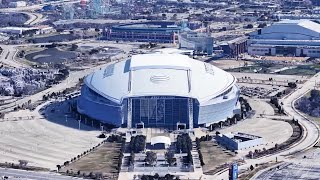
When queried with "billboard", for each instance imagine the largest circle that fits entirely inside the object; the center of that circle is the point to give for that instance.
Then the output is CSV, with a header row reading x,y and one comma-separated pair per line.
x,y
233,171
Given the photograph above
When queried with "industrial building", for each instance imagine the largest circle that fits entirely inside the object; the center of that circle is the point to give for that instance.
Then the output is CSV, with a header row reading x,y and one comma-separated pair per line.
x,y
156,32
239,141
235,47
286,38
159,90
199,42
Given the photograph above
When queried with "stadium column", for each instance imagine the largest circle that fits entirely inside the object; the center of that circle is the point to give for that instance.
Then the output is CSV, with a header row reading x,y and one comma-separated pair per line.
x,y
129,120
190,108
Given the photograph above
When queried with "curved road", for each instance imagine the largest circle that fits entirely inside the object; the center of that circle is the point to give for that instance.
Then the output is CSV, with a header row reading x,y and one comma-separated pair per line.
x,y
310,136
35,18
18,174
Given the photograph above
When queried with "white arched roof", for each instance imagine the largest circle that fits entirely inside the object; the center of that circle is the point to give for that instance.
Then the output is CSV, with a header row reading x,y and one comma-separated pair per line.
x,y
160,139
160,75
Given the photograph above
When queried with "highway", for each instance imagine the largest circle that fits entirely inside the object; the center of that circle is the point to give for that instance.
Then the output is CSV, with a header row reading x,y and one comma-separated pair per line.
x,y
18,174
310,135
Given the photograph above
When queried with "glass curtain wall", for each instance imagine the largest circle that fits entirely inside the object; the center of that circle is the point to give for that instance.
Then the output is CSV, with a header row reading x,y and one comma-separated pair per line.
x,y
160,111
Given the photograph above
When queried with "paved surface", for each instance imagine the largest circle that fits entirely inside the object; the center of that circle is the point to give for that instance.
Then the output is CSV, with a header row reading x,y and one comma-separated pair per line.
x,y
304,166
263,126
310,135
37,6
21,174
44,142
7,56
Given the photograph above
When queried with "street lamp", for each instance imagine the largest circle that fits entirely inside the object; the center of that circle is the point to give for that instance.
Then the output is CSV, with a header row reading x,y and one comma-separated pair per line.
x,y
79,123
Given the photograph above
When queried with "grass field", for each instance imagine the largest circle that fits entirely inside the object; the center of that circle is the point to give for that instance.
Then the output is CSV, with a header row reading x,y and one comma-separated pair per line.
x,y
214,156
103,160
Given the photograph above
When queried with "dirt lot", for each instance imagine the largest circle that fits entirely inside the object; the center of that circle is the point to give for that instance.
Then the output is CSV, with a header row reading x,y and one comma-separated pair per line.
x,y
227,64
103,160
214,156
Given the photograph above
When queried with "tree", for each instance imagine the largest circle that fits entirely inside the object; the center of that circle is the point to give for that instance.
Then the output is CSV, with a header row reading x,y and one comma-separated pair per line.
x,y
174,17
151,158
183,143
249,26
66,163
74,47
170,158
164,16
102,136
137,143
23,162
262,25
58,167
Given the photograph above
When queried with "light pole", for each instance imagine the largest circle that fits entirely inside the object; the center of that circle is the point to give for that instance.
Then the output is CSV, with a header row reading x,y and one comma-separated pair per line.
x,y
101,127
79,123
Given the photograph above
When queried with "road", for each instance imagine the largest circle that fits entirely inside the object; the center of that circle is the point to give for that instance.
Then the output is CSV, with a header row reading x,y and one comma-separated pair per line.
x,y
35,18
8,57
37,6
8,54
310,135
18,174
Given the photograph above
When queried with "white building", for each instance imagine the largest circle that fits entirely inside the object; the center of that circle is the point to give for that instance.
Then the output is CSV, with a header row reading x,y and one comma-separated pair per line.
x,y
199,42
159,90
15,30
286,38
17,4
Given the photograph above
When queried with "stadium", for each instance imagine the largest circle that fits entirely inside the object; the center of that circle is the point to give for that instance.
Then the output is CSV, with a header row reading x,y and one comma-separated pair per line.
x,y
159,90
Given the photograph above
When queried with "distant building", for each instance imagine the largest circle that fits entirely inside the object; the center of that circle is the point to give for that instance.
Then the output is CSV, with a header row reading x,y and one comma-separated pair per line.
x,y
16,30
44,29
17,4
199,42
286,38
156,32
239,141
235,47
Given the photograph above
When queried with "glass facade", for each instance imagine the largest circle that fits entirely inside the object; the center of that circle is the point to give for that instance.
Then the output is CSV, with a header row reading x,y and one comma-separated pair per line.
x,y
160,111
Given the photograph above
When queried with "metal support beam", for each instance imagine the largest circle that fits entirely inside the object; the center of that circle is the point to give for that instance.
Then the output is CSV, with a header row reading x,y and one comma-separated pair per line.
x,y
129,121
190,107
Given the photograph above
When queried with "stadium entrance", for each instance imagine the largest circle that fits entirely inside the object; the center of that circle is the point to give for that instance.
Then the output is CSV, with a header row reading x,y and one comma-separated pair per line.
x,y
159,111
